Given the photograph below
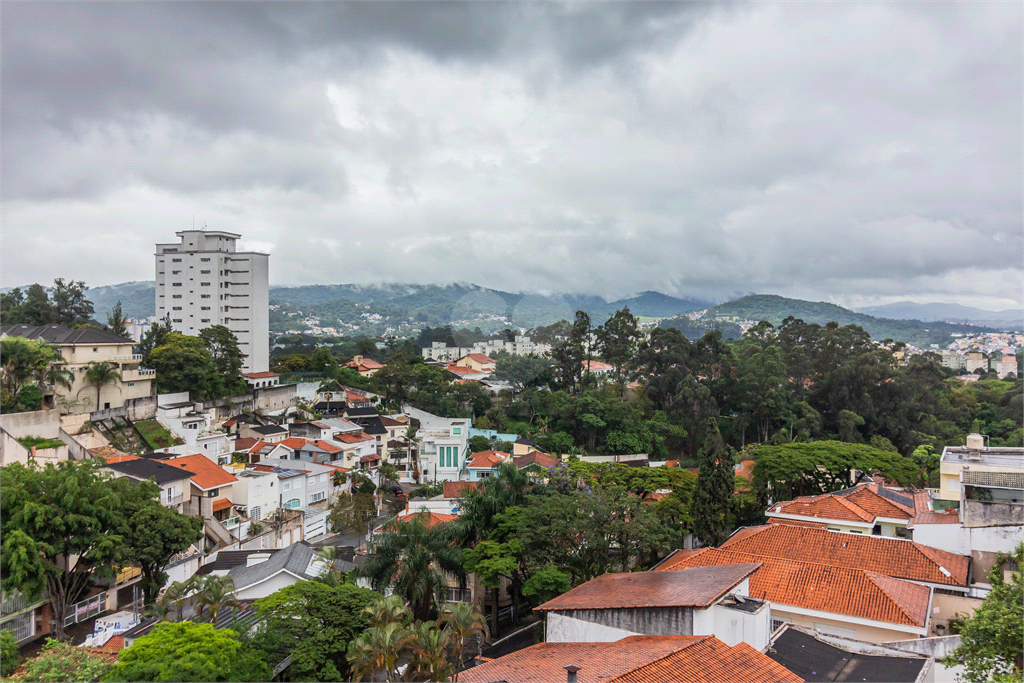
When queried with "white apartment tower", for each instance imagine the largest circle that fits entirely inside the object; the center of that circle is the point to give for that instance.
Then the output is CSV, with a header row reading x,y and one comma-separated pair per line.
x,y
203,281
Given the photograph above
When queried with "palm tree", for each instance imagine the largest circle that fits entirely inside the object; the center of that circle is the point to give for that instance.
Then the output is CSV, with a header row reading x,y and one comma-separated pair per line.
x,y
414,561
463,620
429,646
161,609
389,610
216,593
331,575
378,650
99,374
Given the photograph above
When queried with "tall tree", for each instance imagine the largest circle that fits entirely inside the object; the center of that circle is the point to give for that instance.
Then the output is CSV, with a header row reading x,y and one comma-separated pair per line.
x,y
184,364
69,302
227,356
569,354
100,375
412,560
61,528
116,321
37,309
153,534
713,507
463,620
618,339
155,337
10,306
323,361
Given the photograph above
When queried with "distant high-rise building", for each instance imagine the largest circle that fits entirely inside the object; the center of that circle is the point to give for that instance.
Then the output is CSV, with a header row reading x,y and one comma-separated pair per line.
x,y
203,281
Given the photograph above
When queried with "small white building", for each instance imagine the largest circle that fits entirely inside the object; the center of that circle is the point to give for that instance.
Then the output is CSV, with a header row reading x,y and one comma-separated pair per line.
x,y
256,492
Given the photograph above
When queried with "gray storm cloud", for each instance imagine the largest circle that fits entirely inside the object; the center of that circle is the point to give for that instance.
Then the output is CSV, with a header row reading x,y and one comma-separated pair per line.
x,y
855,152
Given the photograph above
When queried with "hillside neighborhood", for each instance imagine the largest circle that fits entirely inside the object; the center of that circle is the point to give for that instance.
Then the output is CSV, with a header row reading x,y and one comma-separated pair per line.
x,y
581,508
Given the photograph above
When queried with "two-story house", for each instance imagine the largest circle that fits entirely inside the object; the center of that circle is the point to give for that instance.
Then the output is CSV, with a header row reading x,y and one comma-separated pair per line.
x,y
443,445
211,484
78,349
174,482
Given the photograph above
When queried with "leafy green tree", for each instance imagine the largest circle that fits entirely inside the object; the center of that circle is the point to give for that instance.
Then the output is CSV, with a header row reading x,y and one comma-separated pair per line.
x,y
11,304
712,509
925,457
188,651
155,337
394,380
64,662
184,364
618,340
491,562
429,648
377,651
569,354
24,361
213,594
227,356
99,375
153,534
315,623
412,561
366,348
70,304
479,443
546,584
61,529
117,322
37,309
520,371
798,469
9,654
992,639
323,361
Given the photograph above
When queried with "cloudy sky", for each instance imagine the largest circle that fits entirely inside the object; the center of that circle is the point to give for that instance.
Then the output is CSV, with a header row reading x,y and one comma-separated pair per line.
x,y
857,152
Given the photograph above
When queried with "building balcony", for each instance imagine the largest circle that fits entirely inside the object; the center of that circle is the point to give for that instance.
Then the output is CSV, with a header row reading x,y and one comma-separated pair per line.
x,y
173,501
126,357
136,374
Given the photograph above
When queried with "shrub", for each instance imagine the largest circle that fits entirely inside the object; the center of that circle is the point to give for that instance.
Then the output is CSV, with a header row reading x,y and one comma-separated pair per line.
x,y
8,653
39,442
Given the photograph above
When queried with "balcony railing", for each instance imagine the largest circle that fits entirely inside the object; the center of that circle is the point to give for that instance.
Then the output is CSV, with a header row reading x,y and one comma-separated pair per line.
x,y
15,602
173,500
128,356
232,522
147,371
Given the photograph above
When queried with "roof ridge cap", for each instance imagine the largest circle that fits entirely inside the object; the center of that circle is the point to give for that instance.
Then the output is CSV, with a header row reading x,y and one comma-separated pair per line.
x,y
880,579
854,508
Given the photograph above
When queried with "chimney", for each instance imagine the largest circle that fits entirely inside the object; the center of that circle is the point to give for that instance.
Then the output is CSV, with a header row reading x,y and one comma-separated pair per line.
x,y
358,360
570,673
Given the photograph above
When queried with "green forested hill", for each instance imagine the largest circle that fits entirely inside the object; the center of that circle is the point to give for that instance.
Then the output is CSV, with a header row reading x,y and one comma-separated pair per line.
x,y
775,309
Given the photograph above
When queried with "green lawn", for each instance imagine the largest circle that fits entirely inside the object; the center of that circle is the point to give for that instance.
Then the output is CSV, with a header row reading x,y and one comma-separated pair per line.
x,y
39,442
156,435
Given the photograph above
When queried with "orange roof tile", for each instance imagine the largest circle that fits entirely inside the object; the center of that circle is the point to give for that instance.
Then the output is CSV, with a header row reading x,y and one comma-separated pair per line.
x,y
389,422
462,370
481,358
353,438
596,365
351,397
689,587
542,459
950,516
488,459
323,445
431,519
245,443
124,457
862,503
260,375
890,556
292,442
221,504
635,659
115,644
208,475
810,585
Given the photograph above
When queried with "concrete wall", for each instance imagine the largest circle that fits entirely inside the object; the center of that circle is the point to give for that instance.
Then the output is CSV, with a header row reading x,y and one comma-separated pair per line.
x,y
653,621
944,607
733,626
871,634
983,544
11,451
135,409
76,450
273,399
44,423
978,514
936,648
564,629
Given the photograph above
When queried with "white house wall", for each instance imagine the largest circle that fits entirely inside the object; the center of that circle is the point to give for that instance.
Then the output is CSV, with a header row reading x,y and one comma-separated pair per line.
x,y
269,587
563,629
733,626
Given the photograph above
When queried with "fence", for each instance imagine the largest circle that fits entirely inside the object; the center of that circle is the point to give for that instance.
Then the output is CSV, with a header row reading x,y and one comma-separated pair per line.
x,y
86,609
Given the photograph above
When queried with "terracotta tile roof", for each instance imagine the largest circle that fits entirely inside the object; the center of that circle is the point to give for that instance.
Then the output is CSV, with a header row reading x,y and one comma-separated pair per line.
x,y
950,516
635,659
221,504
481,358
351,397
457,489
462,370
488,459
208,475
809,585
542,459
890,556
336,467
353,438
596,365
369,458
260,375
115,644
245,444
656,496
124,457
431,519
746,470
292,442
320,425
324,446
863,503
689,587
390,422
108,454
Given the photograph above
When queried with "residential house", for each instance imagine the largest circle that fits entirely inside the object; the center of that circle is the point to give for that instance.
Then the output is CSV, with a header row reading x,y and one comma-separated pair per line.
x,y
80,347
256,493
300,489
522,446
314,431
261,380
857,586
535,459
863,509
478,362
356,447
815,656
374,426
443,444
211,487
635,659
295,448
485,464
597,368
367,367
696,601
271,433
268,571
174,481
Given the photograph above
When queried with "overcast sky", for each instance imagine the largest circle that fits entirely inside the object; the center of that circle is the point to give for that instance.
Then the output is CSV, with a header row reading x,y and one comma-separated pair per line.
x,y
852,152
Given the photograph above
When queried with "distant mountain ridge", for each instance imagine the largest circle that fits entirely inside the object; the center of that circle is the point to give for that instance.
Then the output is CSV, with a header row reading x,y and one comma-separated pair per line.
x,y
909,310
775,309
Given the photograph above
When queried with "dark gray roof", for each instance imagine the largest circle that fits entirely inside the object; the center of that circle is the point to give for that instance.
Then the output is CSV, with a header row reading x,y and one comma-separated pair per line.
x,y
62,334
229,559
370,425
361,412
815,660
270,429
295,559
146,468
